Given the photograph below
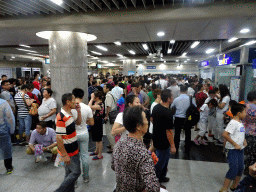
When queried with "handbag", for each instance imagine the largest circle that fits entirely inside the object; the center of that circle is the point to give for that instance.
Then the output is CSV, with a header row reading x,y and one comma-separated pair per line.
x,y
34,109
192,115
112,115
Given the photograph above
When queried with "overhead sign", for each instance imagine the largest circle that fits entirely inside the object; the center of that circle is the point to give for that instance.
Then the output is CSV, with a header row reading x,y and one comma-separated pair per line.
x,y
47,61
36,69
151,67
131,72
224,60
26,69
204,63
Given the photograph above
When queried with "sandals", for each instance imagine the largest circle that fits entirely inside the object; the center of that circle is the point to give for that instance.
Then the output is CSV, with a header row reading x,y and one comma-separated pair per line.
x,y
93,154
97,158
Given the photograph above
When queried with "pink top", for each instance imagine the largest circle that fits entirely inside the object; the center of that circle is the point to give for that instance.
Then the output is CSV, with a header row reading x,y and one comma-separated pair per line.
x,y
128,88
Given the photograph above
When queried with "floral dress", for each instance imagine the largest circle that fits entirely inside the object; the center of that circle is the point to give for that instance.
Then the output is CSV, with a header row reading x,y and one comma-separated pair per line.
x,y
250,136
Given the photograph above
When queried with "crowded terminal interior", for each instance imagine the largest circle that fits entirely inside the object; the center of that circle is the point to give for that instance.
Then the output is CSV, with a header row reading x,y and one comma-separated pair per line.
x,y
128,95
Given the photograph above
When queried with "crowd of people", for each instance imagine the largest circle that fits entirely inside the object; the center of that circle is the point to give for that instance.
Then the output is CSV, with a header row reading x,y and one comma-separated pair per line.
x,y
143,118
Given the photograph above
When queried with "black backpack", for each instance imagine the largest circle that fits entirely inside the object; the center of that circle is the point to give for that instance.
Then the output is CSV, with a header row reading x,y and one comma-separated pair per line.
x,y
192,114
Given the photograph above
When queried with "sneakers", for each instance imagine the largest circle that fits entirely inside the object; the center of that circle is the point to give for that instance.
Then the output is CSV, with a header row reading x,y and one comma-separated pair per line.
x,y
203,142
165,179
86,180
9,171
196,142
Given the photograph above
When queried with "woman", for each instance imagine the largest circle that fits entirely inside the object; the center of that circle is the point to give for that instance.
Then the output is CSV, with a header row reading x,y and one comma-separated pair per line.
x,y
47,111
97,107
250,131
7,127
130,159
23,102
118,128
221,109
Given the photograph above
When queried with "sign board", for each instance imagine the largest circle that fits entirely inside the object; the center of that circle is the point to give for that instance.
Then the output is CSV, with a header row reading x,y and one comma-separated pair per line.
x,y
26,69
151,67
204,63
6,71
224,60
131,73
47,61
36,69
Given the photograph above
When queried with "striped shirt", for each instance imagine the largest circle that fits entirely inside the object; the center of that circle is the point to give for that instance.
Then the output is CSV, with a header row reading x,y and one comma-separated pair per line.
x,y
22,109
65,126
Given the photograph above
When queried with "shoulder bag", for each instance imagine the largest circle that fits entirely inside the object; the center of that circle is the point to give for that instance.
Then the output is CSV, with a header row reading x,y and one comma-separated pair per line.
x,y
112,115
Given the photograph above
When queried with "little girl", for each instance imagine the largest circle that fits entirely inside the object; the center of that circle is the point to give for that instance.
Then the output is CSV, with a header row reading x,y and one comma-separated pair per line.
x,y
204,113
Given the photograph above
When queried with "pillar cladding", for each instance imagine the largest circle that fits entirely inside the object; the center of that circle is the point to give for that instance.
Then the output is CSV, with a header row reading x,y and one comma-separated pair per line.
x,y
129,67
68,63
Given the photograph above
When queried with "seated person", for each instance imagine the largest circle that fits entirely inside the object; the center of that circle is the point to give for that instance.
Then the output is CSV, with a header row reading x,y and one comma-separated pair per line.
x,y
45,136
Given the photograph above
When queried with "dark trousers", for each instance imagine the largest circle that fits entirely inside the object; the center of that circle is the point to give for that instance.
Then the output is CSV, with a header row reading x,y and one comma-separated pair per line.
x,y
180,124
162,164
8,163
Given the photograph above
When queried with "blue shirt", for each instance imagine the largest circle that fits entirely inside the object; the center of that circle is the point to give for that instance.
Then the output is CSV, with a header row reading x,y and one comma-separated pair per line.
x,y
139,96
182,104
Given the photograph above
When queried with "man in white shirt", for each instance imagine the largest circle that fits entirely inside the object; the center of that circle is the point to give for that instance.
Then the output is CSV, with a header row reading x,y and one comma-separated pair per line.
x,y
162,82
175,89
191,90
117,91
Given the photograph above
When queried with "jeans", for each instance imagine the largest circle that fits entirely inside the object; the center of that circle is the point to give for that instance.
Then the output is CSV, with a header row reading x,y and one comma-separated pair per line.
x,y
25,124
179,124
162,164
83,141
72,172
236,163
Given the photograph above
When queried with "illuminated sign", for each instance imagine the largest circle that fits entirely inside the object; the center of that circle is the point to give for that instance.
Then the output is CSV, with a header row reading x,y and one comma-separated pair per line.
x,y
131,73
224,60
204,63
151,67
47,61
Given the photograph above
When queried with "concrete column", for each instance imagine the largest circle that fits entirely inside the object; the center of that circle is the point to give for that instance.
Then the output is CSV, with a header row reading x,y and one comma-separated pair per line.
x,y
68,63
129,66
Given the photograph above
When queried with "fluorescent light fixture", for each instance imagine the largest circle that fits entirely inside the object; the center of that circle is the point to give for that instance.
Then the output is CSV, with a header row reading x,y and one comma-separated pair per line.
x,y
185,61
164,61
104,61
195,44
97,53
208,51
101,47
232,39
250,42
21,45
27,50
177,60
13,57
160,34
118,43
188,59
169,51
145,46
58,2
153,61
245,30
119,55
35,54
184,54
196,60
132,52
33,59
172,41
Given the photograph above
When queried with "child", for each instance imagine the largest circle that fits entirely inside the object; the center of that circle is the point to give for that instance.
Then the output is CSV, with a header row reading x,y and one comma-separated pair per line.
x,y
234,134
204,113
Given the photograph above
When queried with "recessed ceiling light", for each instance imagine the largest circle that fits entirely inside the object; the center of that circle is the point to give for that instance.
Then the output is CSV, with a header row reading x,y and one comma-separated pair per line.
x,y
184,54
250,43
172,41
208,51
118,43
119,55
58,2
169,51
132,52
164,61
97,53
160,34
232,39
185,61
101,47
177,60
145,46
21,45
245,30
195,44
196,60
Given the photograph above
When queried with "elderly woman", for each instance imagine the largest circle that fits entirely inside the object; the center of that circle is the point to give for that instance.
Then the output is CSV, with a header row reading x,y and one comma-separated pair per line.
x,y
47,111
250,130
131,161
7,127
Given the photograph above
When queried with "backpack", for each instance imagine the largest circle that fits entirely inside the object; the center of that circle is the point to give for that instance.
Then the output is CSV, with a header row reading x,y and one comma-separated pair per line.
x,y
192,114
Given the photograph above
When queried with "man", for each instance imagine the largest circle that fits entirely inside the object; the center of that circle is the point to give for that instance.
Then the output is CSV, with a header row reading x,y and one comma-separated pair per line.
x,y
162,82
44,136
182,104
110,105
6,95
150,94
110,81
67,141
175,89
180,81
145,97
162,134
135,90
117,91
3,78
92,89
191,90
13,87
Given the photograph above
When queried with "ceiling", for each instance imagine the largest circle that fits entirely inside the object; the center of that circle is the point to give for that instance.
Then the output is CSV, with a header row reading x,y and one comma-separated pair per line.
x,y
134,23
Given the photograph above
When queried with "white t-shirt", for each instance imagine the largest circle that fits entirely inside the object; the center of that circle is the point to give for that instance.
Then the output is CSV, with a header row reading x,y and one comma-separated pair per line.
x,y
237,134
151,124
119,119
204,113
46,108
162,82
117,92
86,112
36,92
225,100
